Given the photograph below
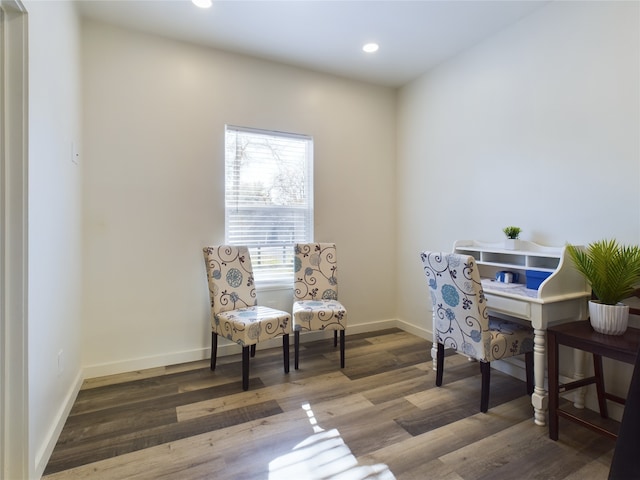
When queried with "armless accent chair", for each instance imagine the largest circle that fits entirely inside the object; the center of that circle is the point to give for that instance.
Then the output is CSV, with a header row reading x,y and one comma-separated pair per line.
x,y
316,305
461,320
235,314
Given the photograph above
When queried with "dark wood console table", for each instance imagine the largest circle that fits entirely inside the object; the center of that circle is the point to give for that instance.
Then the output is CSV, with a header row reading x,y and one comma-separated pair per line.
x,y
581,335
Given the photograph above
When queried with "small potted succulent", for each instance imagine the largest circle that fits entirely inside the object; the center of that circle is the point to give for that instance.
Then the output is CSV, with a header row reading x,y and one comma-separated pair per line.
x,y
613,271
513,235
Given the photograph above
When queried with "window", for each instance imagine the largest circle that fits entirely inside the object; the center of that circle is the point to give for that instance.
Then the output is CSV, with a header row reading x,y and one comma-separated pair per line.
x,y
268,198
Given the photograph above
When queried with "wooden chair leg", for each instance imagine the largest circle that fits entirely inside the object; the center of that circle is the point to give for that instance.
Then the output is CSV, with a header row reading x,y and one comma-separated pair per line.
x,y
598,372
285,351
528,362
439,364
485,369
335,338
253,350
296,348
341,348
245,368
214,349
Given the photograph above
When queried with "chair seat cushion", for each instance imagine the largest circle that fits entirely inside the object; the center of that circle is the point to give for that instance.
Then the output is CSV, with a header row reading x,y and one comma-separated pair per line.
x,y
508,339
250,325
319,315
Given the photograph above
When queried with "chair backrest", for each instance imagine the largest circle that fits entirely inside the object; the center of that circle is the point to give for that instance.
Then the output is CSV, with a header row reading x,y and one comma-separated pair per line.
x,y
460,316
230,277
315,271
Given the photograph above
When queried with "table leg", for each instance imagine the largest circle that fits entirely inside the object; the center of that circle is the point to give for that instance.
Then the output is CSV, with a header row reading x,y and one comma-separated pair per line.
x,y
599,373
578,374
539,397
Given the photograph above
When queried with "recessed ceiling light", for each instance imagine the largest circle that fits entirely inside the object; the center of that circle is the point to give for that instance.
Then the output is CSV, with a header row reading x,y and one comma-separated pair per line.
x,y
370,47
202,3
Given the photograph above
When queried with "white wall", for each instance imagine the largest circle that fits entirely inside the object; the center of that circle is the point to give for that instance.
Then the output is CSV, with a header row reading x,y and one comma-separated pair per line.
x,y
539,126
54,282
549,107
154,112
14,425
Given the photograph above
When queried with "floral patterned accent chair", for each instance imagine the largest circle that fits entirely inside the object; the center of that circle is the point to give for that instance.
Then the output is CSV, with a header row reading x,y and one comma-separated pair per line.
x,y
235,314
316,305
461,320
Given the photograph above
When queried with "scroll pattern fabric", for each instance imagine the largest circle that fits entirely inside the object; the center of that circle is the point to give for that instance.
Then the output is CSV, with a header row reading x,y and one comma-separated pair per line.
x,y
235,313
460,316
316,305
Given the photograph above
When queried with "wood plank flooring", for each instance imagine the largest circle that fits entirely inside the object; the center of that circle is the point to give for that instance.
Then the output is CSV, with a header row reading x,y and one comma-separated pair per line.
x,y
379,418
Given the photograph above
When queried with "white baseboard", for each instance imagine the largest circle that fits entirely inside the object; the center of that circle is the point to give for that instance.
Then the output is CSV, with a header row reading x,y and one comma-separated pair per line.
x,y
49,442
513,367
224,348
143,363
414,330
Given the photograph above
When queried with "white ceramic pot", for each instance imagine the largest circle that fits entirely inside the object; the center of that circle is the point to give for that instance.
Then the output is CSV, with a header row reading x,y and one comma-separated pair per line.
x,y
512,244
609,319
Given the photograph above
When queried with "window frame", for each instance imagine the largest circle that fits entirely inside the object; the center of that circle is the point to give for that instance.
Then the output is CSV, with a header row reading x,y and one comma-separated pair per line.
x,y
282,275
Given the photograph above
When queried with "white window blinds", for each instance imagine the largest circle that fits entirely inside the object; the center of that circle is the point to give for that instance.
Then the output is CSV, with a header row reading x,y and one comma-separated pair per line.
x,y
268,198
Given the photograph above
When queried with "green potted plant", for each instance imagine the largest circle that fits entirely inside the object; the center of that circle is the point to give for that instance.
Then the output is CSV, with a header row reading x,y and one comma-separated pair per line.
x,y
613,271
513,234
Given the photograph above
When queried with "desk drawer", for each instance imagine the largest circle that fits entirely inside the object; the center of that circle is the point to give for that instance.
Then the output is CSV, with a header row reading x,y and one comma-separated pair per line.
x,y
510,306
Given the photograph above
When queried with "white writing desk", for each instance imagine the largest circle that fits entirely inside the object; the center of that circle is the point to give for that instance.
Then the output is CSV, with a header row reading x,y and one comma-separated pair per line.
x,y
561,298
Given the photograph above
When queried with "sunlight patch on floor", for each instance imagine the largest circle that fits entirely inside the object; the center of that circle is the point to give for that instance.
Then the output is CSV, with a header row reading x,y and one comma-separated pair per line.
x,y
324,455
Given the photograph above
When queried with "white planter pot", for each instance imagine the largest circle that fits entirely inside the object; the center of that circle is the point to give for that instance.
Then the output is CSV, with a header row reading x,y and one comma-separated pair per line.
x,y
609,319
512,244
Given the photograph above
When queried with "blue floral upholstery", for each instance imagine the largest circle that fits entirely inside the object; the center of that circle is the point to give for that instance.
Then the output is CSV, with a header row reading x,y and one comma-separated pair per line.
x,y
460,316
316,305
235,313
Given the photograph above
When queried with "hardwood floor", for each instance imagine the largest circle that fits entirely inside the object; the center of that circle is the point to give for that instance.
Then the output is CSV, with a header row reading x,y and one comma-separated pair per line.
x,y
379,418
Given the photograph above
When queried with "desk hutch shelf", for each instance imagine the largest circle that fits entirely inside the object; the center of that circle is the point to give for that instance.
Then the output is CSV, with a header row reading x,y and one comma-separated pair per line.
x,y
491,258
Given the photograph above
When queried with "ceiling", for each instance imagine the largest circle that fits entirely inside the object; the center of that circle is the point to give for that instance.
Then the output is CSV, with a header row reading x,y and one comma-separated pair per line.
x,y
325,35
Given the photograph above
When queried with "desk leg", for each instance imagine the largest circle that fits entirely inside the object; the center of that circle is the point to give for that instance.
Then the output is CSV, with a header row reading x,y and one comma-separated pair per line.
x,y
554,387
539,398
434,353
